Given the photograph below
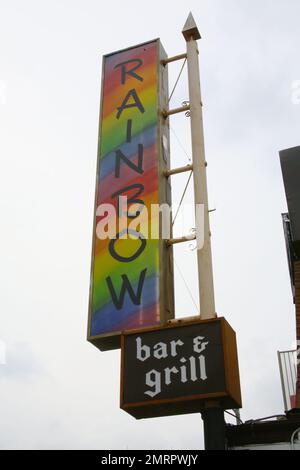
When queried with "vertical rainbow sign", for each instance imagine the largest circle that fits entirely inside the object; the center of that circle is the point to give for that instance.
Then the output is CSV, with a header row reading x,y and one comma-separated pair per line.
x,y
125,277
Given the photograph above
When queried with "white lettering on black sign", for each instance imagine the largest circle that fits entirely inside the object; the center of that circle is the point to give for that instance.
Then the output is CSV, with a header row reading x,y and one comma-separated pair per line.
x,y
192,368
174,362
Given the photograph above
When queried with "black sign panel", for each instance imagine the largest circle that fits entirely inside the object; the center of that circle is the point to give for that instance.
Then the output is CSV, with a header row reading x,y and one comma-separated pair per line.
x,y
173,364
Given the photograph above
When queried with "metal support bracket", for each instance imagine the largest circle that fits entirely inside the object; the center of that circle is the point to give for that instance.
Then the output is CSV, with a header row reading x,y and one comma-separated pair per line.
x,y
175,241
173,59
176,171
182,109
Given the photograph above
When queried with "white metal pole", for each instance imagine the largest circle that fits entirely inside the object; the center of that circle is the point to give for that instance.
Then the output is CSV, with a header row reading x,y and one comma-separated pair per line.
x,y
282,381
206,287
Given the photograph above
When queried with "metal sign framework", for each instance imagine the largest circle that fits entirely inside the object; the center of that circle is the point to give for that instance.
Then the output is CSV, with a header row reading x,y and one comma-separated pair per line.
x,y
204,257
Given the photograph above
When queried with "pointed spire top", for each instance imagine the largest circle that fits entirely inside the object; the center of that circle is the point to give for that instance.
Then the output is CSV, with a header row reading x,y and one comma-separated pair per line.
x,y
190,29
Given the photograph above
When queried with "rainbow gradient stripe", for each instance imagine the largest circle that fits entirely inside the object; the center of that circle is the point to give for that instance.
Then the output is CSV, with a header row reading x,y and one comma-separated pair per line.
x,y
105,317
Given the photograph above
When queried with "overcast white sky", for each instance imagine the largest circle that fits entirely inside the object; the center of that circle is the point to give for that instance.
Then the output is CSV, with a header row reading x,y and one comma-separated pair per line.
x,y
56,390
